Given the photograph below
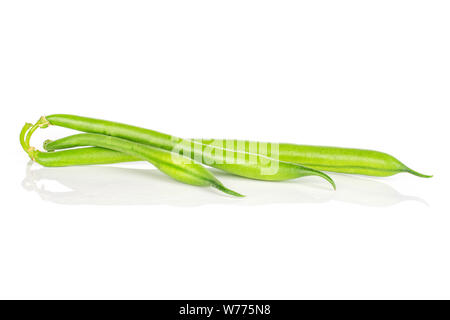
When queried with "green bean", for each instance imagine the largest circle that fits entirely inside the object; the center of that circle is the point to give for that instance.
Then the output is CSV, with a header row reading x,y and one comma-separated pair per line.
x,y
255,166
178,167
334,159
79,157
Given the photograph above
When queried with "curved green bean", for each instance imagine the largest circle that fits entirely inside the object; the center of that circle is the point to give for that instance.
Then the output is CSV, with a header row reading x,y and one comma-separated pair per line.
x,y
178,167
254,166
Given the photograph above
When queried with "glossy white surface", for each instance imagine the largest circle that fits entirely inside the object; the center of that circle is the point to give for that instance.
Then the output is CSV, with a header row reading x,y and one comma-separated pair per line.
x,y
345,73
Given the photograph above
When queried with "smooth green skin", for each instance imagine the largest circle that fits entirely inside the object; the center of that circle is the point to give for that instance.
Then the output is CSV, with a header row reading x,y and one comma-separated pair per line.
x,y
253,170
334,159
79,157
178,167
345,160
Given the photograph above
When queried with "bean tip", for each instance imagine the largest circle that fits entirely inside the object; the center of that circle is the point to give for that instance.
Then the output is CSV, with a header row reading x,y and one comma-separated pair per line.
x,y
328,178
227,191
418,174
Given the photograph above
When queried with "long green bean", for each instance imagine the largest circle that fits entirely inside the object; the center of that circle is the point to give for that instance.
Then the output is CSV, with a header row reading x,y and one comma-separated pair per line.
x,y
334,159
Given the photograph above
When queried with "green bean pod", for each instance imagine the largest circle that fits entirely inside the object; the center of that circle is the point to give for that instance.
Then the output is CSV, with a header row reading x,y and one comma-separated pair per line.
x,y
79,157
255,166
179,168
334,159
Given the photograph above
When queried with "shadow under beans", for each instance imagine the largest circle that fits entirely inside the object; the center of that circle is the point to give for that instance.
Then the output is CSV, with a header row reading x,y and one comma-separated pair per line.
x,y
109,185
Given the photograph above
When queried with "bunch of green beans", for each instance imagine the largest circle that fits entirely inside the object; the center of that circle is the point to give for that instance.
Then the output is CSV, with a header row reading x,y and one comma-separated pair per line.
x,y
112,142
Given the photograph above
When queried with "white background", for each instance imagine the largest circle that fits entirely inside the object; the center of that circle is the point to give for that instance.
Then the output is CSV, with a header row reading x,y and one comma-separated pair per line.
x,y
369,74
